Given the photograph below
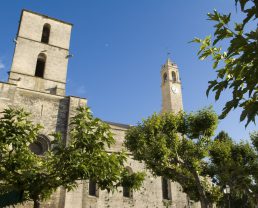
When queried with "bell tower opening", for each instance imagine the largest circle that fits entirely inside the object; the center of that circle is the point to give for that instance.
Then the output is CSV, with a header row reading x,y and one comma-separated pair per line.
x,y
40,66
45,33
174,76
165,77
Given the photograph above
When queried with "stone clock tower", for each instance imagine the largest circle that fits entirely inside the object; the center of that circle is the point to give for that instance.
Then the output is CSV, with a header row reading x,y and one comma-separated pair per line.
x,y
171,88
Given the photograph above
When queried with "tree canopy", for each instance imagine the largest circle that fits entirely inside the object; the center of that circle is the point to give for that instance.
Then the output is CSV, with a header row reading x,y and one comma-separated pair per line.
x,y
236,65
176,146
84,158
180,147
234,165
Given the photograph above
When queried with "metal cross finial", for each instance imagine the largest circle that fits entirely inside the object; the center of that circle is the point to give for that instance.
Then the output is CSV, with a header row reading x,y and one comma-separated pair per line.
x,y
168,54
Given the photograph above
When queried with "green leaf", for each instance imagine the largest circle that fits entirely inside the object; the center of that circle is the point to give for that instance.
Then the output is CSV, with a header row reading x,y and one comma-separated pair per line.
x,y
239,60
242,3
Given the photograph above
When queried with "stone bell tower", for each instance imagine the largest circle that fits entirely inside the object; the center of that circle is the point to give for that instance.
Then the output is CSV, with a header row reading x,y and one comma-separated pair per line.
x,y
41,54
171,88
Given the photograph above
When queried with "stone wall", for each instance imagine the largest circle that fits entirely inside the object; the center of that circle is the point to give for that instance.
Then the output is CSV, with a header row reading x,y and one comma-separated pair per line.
x,y
54,113
149,196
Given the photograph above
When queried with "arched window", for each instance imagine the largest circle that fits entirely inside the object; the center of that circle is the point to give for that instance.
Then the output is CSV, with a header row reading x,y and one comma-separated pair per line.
x,y
93,189
40,66
174,76
166,189
165,77
45,33
41,145
127,191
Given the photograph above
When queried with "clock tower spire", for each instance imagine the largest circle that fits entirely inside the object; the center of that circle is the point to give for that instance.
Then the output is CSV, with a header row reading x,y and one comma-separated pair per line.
x,y
171,88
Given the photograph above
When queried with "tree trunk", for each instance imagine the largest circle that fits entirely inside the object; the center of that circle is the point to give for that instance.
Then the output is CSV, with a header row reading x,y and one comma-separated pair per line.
x,y
203,198
36,203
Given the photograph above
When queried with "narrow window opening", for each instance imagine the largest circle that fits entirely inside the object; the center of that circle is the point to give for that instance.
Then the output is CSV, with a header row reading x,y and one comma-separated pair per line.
x,y
166,191
40,66
127,191
174,77
165,77
92,188
45,33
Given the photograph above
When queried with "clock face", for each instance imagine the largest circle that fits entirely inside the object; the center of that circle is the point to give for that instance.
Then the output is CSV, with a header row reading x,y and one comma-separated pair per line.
x,y
174,89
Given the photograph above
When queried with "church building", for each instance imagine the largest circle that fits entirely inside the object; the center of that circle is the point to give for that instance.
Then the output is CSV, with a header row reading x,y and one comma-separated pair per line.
x,y
37,83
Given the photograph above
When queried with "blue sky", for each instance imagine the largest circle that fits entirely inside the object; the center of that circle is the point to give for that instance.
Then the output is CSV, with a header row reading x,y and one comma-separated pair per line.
x,y
119,47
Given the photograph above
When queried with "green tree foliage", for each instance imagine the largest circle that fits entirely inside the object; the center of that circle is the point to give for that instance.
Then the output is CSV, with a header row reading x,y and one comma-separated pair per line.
x,y
254,139
84,158
237,66
176,146
235,164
